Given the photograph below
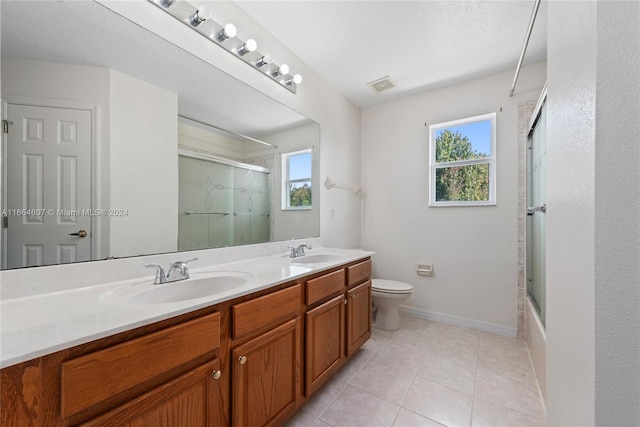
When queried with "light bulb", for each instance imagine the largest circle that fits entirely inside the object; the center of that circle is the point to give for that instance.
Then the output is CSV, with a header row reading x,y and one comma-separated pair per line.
x,y
202,14
228,31
297,79
282,70
249,46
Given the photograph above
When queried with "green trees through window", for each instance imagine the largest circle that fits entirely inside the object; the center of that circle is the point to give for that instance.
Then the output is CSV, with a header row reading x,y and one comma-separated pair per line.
x,y
299,196
457,183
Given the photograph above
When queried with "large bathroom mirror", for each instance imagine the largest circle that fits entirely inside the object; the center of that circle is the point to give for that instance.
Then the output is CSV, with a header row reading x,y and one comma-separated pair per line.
x,y
121,144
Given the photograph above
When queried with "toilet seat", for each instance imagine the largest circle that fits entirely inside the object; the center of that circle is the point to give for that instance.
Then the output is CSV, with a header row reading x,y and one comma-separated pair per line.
x,y
390,286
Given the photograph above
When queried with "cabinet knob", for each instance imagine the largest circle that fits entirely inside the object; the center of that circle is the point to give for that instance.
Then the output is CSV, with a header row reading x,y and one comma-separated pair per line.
x,y
216,374
344,301
353,296
242,360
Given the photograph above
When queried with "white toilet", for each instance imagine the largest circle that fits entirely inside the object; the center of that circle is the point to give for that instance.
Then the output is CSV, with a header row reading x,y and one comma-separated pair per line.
x,y
387,296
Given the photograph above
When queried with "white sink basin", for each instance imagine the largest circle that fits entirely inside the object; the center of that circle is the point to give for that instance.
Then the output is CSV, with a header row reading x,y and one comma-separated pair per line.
x,y
183,290
316,259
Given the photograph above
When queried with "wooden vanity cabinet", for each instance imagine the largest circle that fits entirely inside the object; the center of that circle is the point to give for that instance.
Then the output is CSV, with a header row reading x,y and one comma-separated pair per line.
x,y
164,374
189,400
358,305
266,359
244,362
325,326
92,380
358,316
338,321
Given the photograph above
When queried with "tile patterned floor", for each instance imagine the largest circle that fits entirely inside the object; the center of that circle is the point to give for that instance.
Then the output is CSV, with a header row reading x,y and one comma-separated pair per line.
x,y
430,374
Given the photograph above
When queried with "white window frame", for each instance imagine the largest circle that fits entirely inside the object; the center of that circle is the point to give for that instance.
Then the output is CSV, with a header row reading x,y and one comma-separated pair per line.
x,y
491,161
286,181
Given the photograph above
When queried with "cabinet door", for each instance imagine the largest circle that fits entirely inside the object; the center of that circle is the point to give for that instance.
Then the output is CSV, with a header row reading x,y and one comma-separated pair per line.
x,y
325,327
191,400
266,377
358,316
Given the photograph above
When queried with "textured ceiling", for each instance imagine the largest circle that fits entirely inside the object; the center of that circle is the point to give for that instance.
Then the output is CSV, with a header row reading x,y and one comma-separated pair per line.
x,y
421,45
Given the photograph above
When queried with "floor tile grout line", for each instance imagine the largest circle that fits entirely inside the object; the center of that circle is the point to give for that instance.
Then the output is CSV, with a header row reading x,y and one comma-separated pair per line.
x,y
511,409
347,383
475,381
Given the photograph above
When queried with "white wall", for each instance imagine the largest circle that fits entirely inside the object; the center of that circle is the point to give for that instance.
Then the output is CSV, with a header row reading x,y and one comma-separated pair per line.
x,y
151,225
617,214
473,249
593,221
570,218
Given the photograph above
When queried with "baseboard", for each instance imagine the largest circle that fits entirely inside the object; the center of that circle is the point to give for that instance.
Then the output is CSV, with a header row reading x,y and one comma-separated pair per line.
x,y
459,321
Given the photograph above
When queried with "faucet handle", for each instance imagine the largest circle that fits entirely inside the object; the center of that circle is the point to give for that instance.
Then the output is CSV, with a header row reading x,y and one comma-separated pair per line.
x,y
160,277
183,267
183,264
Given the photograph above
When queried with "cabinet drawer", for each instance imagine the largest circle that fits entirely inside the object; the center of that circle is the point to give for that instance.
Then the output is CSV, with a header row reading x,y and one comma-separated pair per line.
x,y
359,272
264,311
98,376
324,286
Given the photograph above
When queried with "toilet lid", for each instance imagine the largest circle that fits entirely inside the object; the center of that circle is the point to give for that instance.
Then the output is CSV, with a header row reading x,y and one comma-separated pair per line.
x,y
391,286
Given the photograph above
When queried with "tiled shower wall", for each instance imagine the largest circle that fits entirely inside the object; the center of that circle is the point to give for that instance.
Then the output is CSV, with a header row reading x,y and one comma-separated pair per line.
x,y
525,111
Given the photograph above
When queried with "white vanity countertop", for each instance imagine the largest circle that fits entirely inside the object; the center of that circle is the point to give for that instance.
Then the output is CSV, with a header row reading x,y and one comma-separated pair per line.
x,y
38,325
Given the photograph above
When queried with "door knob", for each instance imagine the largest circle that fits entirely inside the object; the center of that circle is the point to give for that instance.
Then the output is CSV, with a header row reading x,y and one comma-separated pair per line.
x,y
80,234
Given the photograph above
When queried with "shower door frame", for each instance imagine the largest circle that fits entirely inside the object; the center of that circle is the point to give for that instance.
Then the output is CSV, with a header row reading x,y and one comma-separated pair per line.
x,y
529,218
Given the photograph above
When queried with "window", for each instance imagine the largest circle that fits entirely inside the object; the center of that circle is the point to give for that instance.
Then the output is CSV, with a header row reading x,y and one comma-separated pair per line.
x,y
296,179
462,158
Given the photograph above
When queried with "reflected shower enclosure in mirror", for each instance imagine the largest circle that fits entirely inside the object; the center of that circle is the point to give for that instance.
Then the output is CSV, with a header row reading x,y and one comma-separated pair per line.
x,y
103,141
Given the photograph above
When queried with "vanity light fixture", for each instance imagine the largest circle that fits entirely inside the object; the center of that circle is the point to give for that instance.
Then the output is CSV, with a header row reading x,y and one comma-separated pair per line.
x,y
266,59
226,32
295,80
281,70
198,18
200,15
248,46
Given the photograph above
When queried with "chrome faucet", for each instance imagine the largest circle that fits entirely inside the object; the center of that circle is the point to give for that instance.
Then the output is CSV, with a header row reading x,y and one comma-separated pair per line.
x,y
299,251
178,270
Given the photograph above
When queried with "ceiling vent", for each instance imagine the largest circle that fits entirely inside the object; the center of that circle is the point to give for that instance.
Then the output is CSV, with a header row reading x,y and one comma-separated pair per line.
x,y
382,84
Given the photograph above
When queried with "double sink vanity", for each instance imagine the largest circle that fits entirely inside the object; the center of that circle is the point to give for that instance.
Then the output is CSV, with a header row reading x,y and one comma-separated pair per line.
x,y
242,344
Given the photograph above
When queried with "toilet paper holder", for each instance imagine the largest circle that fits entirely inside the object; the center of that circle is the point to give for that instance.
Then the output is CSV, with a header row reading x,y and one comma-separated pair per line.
x,y
425,270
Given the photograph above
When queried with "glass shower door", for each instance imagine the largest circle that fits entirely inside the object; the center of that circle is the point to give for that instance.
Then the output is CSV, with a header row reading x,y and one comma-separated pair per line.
x,y
536,213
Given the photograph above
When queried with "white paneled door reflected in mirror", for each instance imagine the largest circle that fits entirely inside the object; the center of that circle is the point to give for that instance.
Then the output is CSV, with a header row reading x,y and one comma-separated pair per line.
x,y
94,134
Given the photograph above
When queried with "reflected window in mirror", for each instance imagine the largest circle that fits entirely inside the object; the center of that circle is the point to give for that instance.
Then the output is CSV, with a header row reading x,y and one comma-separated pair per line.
x,y
297,172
